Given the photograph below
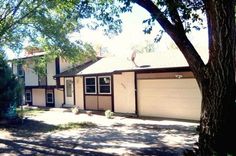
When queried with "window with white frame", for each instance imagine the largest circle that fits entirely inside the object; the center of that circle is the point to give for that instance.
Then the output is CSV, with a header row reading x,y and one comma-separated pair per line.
x,y
90,85
69,85
49,97
104,84
28,96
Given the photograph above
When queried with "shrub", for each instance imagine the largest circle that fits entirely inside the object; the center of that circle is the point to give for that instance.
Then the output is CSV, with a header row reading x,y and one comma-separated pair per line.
x,y
109,114
10,90
75,110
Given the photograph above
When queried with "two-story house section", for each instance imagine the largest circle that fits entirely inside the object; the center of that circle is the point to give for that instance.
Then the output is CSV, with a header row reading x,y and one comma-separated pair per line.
x,y
42,91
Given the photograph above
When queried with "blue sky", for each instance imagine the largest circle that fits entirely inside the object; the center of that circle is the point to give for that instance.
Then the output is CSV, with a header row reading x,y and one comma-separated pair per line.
x,y
133,35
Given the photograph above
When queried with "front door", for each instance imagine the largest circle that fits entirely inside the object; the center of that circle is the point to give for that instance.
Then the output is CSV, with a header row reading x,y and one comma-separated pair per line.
x,y
69,92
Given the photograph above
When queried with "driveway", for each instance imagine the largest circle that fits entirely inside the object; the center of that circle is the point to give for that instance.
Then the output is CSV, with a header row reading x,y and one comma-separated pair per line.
x,y
117,136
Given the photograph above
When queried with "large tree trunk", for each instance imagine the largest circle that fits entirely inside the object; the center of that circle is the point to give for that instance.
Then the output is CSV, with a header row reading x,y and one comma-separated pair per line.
x,y
216,79
218,115
217,132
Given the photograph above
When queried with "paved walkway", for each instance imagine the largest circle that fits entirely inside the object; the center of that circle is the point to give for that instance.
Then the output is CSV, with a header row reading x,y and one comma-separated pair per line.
x,y
118,136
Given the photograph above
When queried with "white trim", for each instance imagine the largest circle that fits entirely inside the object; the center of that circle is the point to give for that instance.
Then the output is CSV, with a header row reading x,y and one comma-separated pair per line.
x,y
85,78
28,91
99,84
49,92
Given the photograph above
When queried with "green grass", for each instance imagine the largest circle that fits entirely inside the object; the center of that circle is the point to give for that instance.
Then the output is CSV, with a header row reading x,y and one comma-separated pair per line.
x,y
74,125
35,128
29,111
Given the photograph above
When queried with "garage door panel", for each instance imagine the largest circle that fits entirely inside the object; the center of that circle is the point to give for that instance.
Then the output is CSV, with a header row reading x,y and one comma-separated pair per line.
x,y
172,98
39,97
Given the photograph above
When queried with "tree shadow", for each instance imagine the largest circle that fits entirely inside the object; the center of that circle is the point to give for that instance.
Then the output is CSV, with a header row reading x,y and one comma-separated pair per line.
x,y
38,138
33,147
30,128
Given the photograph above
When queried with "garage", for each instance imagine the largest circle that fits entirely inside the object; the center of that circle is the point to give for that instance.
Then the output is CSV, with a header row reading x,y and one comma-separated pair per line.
x,y
177,98
39,98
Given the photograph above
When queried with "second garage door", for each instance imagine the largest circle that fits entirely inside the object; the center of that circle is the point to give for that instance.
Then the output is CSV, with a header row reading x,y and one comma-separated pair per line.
x,y
170,98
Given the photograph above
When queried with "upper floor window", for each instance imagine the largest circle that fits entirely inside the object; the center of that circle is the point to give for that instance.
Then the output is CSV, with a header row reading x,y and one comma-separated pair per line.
x,y
104,84
90,85
42,80
20,70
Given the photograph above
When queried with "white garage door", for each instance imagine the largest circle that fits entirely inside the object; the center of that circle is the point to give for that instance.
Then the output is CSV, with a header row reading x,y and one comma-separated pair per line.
x,y
38,97
171,98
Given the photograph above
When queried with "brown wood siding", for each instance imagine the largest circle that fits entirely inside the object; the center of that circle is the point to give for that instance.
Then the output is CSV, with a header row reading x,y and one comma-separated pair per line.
x,y
104,102
167,75
91,102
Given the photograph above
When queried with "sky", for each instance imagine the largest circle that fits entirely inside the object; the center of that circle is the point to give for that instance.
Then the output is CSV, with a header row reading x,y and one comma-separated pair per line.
x,y
132,35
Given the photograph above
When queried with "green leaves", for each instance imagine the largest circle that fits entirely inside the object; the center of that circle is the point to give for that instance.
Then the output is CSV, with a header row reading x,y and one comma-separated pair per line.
x,y
9,87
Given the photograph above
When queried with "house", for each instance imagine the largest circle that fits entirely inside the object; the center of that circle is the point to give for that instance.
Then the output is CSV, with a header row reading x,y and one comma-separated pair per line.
x,y
152,84
41,91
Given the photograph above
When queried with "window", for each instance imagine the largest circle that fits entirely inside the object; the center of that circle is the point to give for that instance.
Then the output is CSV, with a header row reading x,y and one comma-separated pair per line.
x,y
69,88
28,96
90,85
104,84
20,71
49,97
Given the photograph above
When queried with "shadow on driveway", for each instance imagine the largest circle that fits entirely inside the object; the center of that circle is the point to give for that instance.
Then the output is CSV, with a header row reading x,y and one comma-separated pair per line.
x,y
38,138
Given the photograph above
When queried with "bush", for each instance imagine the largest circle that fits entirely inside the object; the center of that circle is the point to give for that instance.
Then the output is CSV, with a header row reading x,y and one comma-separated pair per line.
x,y
109,114
10,90
75,110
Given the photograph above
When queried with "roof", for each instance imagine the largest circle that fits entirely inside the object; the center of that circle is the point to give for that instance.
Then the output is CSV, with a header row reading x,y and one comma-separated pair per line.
x,y
145,61
30,56
74,70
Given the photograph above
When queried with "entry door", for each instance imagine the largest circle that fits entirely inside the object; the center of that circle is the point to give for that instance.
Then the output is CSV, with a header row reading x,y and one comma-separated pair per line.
x,y
69,92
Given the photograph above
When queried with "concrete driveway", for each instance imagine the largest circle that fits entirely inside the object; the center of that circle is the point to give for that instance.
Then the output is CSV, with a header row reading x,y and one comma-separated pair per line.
x,y
118,136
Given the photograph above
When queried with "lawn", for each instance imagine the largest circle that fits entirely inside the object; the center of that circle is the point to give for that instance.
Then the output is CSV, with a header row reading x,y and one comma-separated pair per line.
x,y
30,111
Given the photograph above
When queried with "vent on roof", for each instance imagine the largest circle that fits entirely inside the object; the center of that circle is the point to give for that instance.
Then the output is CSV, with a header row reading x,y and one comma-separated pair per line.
x,y
133,56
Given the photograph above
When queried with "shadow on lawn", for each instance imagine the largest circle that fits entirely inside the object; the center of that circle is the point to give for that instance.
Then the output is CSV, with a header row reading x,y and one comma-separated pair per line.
x,y
137,139
30,128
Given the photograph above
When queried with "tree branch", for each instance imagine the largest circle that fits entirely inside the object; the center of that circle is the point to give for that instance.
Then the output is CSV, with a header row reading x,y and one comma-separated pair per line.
x,y
193,58
174,15
16,8
10,25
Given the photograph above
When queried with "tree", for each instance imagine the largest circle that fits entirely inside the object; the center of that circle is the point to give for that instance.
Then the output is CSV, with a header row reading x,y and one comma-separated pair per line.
x,y
9,89
216,79
47,25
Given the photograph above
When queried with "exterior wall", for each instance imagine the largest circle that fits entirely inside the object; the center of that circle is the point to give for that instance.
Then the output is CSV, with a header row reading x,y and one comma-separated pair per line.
x,y
124,92
167,75
51,71
64,65
62,81
59,97
31,78
79,92
39,98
